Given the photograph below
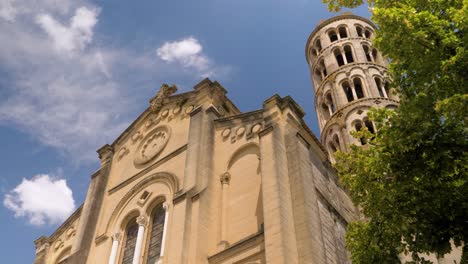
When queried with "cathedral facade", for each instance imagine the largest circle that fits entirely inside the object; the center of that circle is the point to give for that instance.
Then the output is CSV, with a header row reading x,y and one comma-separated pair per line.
x,y
194,180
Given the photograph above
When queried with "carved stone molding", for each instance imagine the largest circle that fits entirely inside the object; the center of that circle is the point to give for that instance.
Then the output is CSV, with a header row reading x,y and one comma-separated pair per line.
x,y
237,133
152,144
122,153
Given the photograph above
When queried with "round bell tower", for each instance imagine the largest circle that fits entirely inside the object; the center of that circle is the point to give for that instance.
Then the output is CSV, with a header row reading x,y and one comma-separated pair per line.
x,y
349,77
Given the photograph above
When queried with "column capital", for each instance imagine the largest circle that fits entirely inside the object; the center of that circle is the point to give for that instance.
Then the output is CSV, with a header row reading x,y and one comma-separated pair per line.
x,y
117,236
142,220
165,206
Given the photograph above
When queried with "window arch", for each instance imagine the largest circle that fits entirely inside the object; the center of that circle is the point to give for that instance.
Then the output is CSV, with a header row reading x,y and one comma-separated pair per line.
x,y
318,45
368,33
328,107
348,91
156,233
382,87
342,32
131,232
339,57
320,71
359,31
332,35
367,52
358,87
313,53
329,100
325,111
358,127
369,125
334,144
318,75
348,54
374,54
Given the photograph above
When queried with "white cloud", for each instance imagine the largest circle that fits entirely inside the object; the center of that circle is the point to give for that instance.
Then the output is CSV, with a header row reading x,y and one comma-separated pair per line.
x,y
42,200
187,52
10,9
74,37
80,98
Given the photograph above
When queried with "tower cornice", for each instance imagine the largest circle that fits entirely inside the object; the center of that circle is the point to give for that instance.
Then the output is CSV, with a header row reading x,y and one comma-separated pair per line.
x,y
322,24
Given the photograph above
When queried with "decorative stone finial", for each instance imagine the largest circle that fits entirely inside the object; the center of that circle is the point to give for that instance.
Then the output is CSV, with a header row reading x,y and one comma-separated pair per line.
x,y
164,92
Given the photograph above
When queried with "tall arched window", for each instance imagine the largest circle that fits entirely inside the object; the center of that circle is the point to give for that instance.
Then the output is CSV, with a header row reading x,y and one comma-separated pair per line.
x,y
313,53
333,36
318,76
348,54
342,31
131,232
336,141
374,54
358,88
329,100
323,69
358,127
359,31
339,57
325,111
156,233
380,89
368,33
318,45
367,52
348,91
369,125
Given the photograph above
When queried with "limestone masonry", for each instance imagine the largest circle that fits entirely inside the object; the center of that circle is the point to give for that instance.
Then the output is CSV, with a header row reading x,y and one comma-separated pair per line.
x,y
194,180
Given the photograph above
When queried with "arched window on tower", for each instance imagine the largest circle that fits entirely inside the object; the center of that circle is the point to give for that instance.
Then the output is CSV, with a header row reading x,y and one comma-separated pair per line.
x,y
367,52
387,88
358,88
342,31
333,36
374,54
359,31
348,54
323,69
339,57
380,87
348,91
318,76
318,45
358,127
368,33
325,111
369,125
156,233
131,232
332,147
336,141
329,100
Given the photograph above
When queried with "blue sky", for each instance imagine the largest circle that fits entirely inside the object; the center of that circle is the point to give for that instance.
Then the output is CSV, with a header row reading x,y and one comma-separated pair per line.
x,y
75,73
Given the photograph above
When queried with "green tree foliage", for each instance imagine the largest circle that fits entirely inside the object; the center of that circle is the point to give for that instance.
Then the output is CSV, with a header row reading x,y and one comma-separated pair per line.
x,y
411,179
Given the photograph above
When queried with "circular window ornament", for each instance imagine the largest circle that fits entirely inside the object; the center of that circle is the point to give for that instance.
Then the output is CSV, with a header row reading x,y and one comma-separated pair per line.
x,y
152,144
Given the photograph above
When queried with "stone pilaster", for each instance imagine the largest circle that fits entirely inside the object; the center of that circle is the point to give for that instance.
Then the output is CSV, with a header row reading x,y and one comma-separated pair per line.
x,y
280,241
91,207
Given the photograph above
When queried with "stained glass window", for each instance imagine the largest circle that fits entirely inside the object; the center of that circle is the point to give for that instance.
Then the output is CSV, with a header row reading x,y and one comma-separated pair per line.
x,y
156,234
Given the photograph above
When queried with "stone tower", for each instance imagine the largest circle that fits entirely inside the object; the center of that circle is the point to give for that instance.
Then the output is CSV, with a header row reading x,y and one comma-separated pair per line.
x,y
349,77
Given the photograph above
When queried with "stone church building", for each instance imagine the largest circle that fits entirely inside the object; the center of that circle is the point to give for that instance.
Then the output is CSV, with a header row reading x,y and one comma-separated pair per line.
x,y
195,180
